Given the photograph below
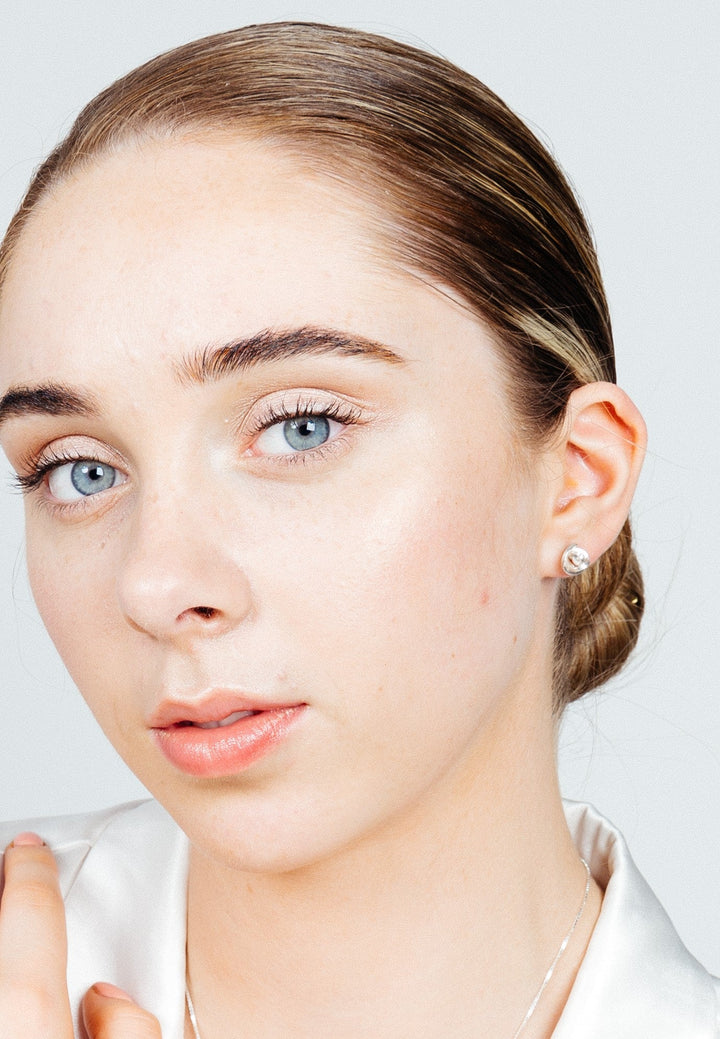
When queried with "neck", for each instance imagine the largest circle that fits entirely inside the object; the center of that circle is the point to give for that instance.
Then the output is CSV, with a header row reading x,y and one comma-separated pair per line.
x,y
443,922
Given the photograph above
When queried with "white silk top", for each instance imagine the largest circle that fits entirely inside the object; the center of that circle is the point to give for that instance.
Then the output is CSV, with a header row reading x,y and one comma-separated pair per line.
x,y
123,874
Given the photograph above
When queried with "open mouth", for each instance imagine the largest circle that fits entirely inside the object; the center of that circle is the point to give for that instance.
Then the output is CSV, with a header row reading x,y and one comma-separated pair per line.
x,y
223,723
225,745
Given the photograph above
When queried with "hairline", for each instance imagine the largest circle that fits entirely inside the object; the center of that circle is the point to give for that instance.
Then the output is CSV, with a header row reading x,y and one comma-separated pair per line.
x,y
313,159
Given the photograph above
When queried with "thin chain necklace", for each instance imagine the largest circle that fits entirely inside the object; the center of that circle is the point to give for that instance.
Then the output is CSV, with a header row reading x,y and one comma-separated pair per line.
x,y
191,1012
533,1006
551,969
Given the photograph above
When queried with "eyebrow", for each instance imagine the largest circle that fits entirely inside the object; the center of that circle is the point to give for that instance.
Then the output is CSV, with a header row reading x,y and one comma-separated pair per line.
x,y
271,345
46,399
207,365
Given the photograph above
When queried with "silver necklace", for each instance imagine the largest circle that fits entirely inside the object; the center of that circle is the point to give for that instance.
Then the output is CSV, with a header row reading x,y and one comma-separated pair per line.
x,y
551,969
533,1006
191,1011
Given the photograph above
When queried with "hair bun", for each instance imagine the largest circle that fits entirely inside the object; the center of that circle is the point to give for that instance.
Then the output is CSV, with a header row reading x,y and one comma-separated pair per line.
x,y
598,621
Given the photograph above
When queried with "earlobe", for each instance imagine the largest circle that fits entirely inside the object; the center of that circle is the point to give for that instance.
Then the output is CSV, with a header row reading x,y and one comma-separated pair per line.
x,y
598,460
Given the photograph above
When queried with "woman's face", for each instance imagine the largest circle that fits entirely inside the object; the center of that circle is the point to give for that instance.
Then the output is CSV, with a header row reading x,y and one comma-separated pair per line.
x,y
268,472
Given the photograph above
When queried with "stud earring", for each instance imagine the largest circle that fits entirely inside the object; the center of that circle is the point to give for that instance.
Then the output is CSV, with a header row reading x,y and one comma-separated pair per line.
x,y
574,560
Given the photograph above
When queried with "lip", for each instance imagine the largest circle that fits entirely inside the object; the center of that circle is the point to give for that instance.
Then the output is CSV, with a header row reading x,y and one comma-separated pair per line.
x,y
221,750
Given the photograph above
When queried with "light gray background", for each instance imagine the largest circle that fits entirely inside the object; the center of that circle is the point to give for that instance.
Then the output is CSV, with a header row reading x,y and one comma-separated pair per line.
x,y
627,95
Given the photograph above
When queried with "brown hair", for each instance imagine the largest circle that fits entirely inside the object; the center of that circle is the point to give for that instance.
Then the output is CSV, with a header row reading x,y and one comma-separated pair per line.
x,y
474,201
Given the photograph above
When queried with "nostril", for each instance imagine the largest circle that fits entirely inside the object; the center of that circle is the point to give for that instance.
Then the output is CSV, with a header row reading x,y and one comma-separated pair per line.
x,y
207,612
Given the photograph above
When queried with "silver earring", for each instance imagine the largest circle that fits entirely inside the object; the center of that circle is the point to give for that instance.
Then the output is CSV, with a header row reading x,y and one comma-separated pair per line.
x,y
574,560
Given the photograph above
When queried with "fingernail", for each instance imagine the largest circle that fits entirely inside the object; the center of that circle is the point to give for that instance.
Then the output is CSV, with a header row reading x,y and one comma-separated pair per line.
x,y
28,840
103,988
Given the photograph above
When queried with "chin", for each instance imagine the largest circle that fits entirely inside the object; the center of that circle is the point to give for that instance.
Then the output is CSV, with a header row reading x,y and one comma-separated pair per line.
x,y
256,831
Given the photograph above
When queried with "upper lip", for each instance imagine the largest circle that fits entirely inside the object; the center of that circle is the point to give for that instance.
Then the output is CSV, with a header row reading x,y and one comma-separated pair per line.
x,y
209,707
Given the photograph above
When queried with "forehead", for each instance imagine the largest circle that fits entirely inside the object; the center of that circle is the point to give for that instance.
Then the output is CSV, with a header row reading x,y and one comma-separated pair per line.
x,y
123,221
167,246
143,239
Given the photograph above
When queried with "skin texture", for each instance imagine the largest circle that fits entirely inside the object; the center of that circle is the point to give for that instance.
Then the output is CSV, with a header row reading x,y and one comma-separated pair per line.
x,y
399,581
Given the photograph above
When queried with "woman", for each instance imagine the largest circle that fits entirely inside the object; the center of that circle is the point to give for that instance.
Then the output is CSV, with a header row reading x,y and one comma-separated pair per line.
x,y
307,375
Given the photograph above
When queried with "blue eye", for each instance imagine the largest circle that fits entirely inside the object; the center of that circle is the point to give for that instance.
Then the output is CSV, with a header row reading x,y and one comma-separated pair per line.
x,y
304,433
81,479
301,433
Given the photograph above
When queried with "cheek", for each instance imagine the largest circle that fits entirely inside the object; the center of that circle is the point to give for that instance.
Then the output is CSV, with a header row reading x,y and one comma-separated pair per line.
x,y
421,585
58,591
417,581
73,589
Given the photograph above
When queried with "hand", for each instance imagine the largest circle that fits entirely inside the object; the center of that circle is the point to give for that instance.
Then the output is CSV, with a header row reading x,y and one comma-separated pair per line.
x,y
34,1001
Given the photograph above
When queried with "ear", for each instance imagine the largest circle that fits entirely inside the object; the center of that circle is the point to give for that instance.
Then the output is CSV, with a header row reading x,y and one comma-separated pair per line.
x,y
595,463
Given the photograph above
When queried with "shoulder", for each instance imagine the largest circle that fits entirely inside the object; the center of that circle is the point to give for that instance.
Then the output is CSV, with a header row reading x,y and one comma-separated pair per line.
x,y
637,977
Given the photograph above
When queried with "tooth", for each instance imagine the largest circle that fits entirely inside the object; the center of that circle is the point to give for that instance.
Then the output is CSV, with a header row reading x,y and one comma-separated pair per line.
x,y
225,721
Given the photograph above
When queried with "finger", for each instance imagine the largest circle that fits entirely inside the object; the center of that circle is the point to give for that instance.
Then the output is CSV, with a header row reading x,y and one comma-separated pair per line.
x,y
33,944
109,1013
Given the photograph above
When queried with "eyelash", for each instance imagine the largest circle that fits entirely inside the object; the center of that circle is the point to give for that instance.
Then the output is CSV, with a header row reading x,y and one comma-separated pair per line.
x,y
31,480
342,412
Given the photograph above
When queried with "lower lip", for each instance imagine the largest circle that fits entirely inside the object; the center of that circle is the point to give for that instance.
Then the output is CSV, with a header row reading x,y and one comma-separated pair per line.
x,y
228,749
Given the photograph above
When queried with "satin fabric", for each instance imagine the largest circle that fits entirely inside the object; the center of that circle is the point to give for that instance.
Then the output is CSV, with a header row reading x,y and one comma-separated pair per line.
x,y
124,877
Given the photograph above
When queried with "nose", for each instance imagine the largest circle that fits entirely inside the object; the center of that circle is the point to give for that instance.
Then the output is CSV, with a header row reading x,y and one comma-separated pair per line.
x,y
180,577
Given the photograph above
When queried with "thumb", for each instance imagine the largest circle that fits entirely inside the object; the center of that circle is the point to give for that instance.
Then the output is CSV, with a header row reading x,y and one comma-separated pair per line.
x,y
110,1013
